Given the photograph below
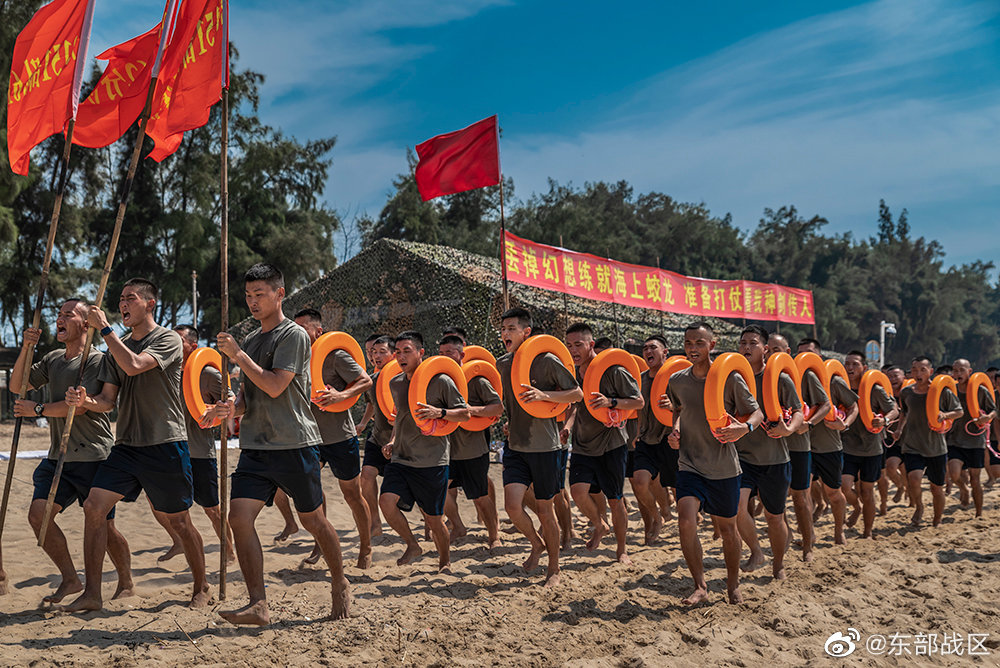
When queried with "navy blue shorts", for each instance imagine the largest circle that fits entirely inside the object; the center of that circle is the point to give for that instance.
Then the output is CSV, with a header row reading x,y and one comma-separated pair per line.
x,y
994,460
971,458
344,458
718,497
659,459
428,487
206,482
260,473
540,470
801,470
606,472
374,456
769,482
868,468
74,482
472,475
934,467
163,471
828,467
894,450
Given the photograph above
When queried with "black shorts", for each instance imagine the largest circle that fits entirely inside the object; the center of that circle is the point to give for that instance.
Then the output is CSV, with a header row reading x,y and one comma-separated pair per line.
x,y
606,471
163,471
801,470
659,459
769,482
74,482
895,450
971,458
718,497
994,460
828,467
472,475
867,469
630,464
260,473
374,456
539,470
934,467
344,458
563,466
206,482
428,487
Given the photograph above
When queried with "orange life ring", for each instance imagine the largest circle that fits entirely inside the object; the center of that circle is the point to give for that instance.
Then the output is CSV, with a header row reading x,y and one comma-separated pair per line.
x,y
321,348
382,393
473,353
641,361
520,372
476,369
592,384
933,405
191,381
835,368
977,380
776,365
724,366
430,367
812,362
869,380
659,387
907,382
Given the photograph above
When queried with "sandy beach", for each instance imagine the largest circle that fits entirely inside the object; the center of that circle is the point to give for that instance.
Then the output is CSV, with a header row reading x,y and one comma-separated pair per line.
x,y
489,612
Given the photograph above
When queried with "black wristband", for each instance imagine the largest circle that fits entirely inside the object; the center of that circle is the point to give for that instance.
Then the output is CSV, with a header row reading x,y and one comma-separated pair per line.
x,y
105,331
444,413
614,402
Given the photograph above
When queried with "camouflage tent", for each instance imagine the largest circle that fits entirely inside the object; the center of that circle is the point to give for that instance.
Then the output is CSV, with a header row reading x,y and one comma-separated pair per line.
x,y
397,285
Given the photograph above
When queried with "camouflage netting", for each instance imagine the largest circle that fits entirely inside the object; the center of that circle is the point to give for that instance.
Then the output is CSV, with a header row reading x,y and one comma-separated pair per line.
x,y
399,285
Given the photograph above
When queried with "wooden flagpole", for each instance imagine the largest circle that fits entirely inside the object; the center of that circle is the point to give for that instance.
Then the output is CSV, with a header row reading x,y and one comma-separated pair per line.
x,y
503,229
109,261
224,272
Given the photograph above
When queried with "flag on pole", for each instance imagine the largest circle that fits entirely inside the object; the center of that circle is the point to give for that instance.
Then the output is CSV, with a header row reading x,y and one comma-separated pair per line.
x,y
459,161
192,73
45,76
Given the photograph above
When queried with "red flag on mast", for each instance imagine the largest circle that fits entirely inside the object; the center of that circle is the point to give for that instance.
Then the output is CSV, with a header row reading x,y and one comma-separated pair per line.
x,y
458,161
45,76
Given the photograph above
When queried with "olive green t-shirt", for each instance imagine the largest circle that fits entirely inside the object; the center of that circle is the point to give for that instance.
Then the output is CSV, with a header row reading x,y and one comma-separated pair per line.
x,y
201,442
150,408
918,437
700,451
960,438
821,437
860,442
757,447
90,438
339,371
813,394
590,436
527,433
381,427
472,444
651,430
283,422
411,447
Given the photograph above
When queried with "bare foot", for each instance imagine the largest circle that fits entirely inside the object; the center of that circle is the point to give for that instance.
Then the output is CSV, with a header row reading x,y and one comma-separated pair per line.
x,y
365,558
3,582
495,544
255,614
624,559
653,535
84,603
285,534
201,599
897,496
124,590
753,563
457,534
412,552
883,509
964,500
444,568
778,572
66,587
552,580
696,597
735,596
817,513
174,550
867,534
567,541
531,563
807,556
852,519
838,537
314,556
600,531
918,515
666,514
341,596
230,557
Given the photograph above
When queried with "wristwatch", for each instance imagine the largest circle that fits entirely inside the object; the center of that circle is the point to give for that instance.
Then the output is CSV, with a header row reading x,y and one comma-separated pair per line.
x,y
444,412
614,402
39,407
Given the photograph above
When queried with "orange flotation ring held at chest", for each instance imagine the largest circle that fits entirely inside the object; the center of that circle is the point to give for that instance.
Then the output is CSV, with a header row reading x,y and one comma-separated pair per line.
x,y
835,369
382,393
476,369
321,349
520,372
977,380
609,417
869,380
191,380
428,369
771,400
724,366
473,353
812,362
933,405
658,388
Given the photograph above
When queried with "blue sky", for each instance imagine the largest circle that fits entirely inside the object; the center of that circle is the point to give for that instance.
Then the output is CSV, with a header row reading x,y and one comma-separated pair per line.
x,y
829,106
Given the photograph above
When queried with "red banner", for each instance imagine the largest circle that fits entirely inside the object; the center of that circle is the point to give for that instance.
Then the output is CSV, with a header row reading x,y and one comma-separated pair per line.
x,y
592,277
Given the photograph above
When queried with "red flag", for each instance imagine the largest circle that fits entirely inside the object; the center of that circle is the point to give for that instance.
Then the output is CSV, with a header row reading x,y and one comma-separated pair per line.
x,y
120,94
45,75
191,79
459,161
